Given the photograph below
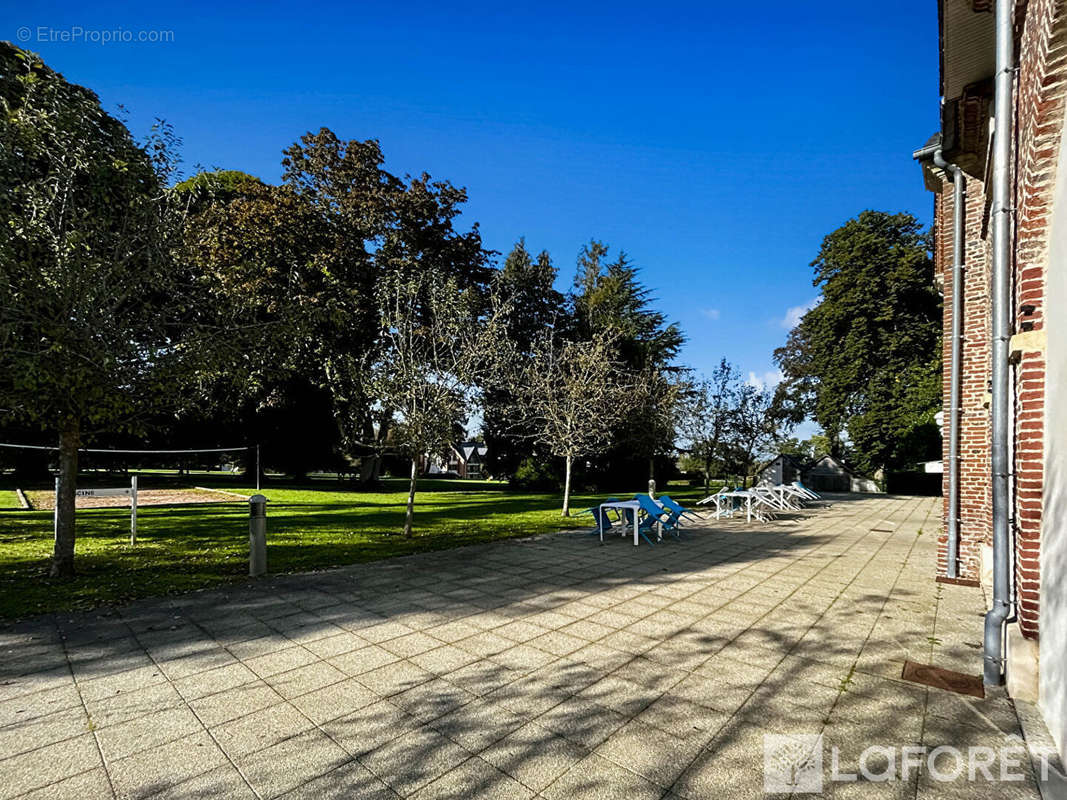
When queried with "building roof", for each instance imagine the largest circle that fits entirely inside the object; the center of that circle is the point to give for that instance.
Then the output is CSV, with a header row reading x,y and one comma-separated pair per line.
x,y
786,456
840,463
967,44
467,449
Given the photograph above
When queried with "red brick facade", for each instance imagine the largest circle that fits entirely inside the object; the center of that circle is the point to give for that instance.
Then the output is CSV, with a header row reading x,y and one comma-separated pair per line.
x,y
1039,119
975,511
1041,51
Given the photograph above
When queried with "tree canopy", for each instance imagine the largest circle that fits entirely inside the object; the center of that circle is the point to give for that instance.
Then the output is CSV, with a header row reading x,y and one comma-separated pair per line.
x,y
864,363
99,327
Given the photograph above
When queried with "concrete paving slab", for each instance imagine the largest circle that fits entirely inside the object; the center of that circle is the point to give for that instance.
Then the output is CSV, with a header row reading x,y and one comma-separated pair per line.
x,y
370,727
347,782
474,778
509,663
335,700
31,734
535,756
291,763
259,730
415,759
220,783
126,738
94,783
160,768
47,765
215,709
596,778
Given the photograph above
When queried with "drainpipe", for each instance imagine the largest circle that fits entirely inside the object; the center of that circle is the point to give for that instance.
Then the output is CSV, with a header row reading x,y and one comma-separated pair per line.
x,y
958,217
1000,220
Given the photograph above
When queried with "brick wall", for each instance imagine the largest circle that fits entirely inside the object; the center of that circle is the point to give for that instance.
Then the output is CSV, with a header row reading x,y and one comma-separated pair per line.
x,y
975,515
1042,77
1041,85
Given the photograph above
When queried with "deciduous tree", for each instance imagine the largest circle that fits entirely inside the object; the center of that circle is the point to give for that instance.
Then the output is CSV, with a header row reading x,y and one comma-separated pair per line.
x,y
430,350
708,410
524,288
865,361
573,394
98,327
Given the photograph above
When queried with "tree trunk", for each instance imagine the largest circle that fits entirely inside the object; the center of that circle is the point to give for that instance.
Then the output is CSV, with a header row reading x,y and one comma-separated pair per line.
x,y
567,489
63,554
409,518
707,475
652,468
368,469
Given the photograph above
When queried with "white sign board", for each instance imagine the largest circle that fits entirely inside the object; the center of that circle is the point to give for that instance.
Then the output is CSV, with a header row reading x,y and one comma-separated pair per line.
x,y
125,491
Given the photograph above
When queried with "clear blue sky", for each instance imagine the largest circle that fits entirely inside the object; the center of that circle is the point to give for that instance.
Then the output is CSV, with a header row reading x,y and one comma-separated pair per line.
x,y
716,144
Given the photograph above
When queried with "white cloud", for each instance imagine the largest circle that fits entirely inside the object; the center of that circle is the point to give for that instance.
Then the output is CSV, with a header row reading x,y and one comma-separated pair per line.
x,y
710,313
793,315
768,380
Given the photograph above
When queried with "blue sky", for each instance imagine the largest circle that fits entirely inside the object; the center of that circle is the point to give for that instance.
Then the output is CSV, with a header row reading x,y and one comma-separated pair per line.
x,y
716,144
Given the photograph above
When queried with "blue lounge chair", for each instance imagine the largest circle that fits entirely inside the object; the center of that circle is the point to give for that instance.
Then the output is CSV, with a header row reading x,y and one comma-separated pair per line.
x,y
600,517
677,508
656,516
810,492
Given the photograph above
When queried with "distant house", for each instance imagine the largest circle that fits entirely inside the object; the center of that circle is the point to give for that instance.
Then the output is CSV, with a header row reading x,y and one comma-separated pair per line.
x,y
828,474
824,474
464,460
785,468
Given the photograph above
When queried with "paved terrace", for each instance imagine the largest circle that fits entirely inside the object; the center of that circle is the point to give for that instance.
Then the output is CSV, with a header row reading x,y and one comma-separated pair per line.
x,y
546,668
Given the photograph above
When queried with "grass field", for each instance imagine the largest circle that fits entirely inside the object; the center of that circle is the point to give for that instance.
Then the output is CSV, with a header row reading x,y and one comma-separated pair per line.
x,y
191,547
8,500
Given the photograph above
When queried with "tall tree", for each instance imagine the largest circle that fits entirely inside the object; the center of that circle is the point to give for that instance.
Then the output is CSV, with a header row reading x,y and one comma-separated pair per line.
x,y
311,253
429,351
261,248
652,426
572,396
865,361
610,300
755,426
707,415
97,325
524,289
815,446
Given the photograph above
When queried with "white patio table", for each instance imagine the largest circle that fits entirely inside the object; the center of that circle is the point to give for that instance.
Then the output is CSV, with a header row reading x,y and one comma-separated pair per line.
x,y
776,496
749,497
620,505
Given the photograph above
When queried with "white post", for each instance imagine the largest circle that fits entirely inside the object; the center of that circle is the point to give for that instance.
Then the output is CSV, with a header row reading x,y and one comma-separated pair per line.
x,y
55,511
133,510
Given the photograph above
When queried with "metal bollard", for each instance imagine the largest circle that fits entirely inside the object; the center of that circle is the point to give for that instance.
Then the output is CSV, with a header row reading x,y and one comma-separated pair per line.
x,y
257,535
652,488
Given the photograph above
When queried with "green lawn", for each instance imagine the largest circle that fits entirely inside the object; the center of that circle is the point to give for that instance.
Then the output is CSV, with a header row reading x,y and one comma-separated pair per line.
x,y
8,500
191,547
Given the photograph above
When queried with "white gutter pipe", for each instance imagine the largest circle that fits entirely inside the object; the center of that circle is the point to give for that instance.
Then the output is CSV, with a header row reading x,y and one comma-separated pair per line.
x,y
956,345
1000,221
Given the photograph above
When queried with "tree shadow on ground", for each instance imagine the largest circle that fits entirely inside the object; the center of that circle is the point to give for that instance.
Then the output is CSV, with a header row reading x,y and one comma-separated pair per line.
x,y
554,665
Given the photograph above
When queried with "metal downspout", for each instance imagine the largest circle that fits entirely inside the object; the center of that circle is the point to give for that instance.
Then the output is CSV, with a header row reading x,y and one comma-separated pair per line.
x,y
958,218
1000,220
